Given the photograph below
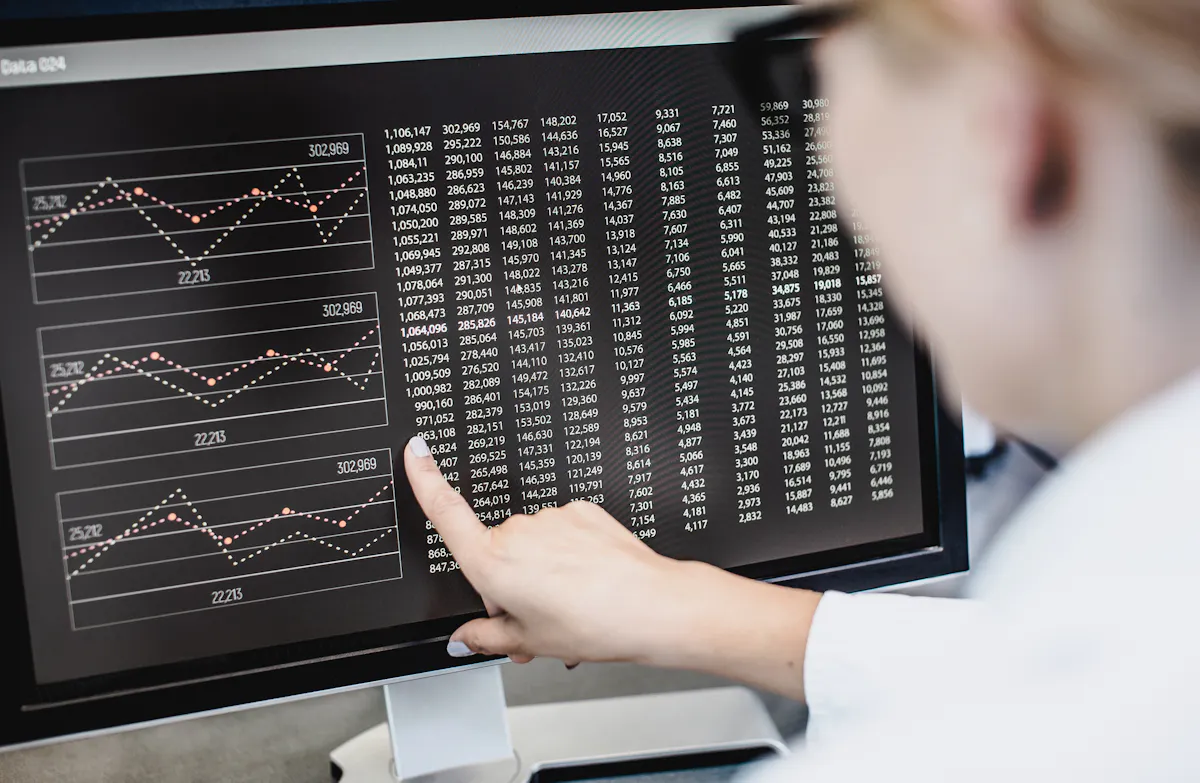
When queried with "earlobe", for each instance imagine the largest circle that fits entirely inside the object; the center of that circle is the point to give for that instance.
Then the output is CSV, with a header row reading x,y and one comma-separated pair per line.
x,y
1051,175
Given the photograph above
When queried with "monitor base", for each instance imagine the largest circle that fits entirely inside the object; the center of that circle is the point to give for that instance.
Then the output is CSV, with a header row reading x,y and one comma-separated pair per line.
x,y
645,728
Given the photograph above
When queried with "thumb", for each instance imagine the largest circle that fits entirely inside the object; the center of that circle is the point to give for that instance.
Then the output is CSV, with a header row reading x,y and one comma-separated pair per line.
x,y
490,636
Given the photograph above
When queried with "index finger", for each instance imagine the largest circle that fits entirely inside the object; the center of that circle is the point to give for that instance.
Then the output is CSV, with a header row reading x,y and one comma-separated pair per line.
x,y
464,535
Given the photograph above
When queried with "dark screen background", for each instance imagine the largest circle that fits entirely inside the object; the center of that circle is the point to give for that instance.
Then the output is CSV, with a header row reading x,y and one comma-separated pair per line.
x,y
42,9
90,119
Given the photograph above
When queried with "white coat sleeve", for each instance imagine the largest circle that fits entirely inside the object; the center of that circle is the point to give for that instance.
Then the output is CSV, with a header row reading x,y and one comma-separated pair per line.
x,y
865,651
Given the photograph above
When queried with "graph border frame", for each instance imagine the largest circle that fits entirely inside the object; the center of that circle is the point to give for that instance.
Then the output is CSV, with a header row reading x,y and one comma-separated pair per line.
x,y
67,580
54,466
33,285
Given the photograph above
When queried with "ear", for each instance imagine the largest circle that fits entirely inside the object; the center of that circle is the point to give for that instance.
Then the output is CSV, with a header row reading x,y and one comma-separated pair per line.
x,y
1047,181
1043,183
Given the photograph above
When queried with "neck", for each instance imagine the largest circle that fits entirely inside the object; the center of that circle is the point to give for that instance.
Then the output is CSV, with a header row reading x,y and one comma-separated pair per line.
x,y
1130,287
1137,307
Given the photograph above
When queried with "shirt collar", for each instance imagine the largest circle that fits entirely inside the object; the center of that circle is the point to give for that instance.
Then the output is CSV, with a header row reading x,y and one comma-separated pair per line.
x,y
1132,483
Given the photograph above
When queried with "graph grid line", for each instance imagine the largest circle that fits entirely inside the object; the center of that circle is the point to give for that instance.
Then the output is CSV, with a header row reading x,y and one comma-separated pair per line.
x,y
290,369
97,225
324,523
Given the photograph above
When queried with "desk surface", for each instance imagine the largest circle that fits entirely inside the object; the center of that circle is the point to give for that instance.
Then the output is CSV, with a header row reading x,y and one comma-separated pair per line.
x,y
291,742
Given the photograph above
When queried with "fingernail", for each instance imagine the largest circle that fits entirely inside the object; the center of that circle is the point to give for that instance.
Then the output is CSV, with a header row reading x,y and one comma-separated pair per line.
x,y
458,649
418,446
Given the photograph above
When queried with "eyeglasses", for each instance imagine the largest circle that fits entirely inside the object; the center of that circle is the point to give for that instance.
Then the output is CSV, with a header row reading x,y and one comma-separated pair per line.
x,y
771,64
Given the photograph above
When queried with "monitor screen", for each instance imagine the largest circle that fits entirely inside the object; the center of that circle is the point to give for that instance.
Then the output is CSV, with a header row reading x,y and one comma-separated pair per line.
x,y
239,271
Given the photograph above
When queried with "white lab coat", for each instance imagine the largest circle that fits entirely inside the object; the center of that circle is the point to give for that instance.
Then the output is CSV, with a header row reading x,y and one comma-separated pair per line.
x,y
1076,658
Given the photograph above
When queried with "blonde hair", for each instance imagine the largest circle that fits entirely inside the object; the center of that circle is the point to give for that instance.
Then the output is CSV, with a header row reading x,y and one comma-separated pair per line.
x,y
1148,50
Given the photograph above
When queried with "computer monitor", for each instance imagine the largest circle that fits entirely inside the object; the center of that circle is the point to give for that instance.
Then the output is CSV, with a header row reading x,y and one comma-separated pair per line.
x,y
246,254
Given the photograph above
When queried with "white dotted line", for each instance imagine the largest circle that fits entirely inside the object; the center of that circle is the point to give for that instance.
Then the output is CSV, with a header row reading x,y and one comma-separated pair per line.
x,y
155,356
304,191
260,199
65,216
220,401
137,527
371,369
125,195
284,361
306,536
325,237
223,542
58,221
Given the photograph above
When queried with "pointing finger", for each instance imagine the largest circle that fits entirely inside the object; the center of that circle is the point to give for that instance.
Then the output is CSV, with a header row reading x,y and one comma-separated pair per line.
x,y
461,530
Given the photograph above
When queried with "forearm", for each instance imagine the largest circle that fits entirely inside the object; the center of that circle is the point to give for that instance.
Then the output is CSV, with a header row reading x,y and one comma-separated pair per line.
x,y
736,628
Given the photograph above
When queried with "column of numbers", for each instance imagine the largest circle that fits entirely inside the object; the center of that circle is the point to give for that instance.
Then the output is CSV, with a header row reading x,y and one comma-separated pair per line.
x,y
421,293
525,301
475,317
685,367
628,329
833,316
788,262
574,341
873,357
736,293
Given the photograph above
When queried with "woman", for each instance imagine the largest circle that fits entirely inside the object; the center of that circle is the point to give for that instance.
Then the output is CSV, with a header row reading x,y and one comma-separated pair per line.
x,y
1031,171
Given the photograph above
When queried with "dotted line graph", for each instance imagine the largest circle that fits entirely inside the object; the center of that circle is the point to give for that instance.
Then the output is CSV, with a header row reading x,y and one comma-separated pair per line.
x,y
256,196
167,546
276,360
148,221
222,541
129,388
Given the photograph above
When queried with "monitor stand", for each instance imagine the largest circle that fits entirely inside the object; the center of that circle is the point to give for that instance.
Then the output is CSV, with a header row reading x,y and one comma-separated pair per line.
x,y
456,728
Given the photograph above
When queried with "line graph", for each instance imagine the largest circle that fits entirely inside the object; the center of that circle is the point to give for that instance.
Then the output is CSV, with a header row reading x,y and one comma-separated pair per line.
x,y
183,382
211,540
158,220
111,366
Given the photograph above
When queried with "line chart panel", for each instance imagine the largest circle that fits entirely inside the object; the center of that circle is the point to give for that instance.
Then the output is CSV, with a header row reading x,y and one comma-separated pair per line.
x,y
213,540
208,379
159,220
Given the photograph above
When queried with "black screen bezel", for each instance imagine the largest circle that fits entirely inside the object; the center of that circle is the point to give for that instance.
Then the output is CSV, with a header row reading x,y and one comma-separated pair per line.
x,y
31,712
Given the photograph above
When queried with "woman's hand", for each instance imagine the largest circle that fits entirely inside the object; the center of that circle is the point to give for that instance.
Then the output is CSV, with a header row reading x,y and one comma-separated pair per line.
x,y
570,583
573,583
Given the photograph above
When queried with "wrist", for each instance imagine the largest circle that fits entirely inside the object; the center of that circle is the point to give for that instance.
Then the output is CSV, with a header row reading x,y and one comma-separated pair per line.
x,y
733,627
